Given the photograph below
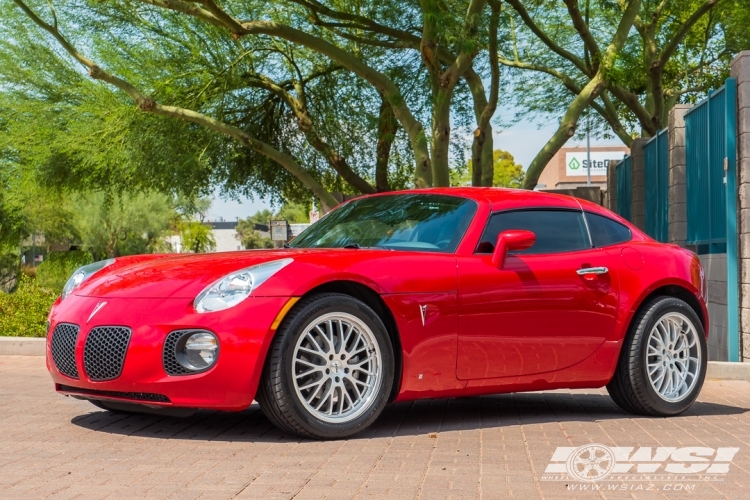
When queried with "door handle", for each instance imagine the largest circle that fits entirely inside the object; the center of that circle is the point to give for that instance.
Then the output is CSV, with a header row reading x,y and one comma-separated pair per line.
x,y
592,270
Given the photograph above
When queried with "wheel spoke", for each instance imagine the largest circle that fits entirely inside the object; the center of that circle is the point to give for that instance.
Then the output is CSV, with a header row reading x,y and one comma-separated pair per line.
x,y
673,355
341,367
305,362
325,397
315,343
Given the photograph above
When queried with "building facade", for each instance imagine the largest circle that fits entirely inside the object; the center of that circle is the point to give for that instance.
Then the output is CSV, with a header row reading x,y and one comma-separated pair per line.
x,y
568,168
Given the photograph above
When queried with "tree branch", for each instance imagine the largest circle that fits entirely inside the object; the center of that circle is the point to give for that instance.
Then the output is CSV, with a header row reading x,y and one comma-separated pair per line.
x,y
557,49
384,85
685,28
228,21
582,27
149,105
306,124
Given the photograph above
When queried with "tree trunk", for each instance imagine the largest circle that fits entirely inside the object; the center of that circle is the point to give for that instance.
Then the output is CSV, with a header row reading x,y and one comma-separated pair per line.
x,y
565,131
441,131
387,128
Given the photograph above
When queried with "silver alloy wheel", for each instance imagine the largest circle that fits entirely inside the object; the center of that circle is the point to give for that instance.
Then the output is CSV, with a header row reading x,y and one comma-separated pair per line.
x,y
337,367
673,357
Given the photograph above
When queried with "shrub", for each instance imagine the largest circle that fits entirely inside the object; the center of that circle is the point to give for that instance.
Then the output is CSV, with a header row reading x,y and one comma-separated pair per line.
x,y
57,268
24,313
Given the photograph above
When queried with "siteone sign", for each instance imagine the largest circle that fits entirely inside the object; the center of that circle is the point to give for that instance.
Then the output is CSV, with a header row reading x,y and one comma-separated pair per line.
x,y
576,163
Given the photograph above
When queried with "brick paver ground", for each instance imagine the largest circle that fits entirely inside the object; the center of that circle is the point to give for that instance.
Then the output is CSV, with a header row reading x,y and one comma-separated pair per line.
x,y
489,447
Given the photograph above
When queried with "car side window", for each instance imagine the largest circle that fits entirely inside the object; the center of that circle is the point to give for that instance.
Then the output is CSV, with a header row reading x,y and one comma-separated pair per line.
x,y
605,231
556,231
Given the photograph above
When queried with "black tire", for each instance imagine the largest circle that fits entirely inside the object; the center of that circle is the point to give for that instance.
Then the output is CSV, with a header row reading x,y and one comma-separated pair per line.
x,y
276,394
631,388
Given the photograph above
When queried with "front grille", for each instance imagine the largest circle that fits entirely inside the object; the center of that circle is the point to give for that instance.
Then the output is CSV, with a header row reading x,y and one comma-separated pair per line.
x,y
64,349
104,352
140,396
169,358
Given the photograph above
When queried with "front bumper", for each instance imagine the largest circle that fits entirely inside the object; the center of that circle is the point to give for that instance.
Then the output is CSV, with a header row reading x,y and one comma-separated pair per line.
x,y
244,334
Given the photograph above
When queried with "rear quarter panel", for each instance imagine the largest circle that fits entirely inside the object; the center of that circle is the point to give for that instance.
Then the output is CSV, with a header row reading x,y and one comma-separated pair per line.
x,y
660,266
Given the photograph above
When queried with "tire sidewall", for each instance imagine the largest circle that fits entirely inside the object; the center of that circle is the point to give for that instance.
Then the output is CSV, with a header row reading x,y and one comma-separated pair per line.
x,y
289,337
664,307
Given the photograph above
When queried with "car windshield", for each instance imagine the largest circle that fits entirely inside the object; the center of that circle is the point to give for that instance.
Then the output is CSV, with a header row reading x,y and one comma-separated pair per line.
x,y
422,222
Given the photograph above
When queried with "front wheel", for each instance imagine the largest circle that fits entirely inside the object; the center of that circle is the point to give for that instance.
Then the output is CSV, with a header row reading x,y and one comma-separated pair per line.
x,y
329,370
662,365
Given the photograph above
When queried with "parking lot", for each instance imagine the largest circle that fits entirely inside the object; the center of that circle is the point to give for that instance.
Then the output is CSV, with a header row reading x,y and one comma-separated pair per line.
x,y
489,447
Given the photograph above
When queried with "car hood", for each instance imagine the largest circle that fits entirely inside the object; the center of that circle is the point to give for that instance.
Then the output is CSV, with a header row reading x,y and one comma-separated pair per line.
x,y
175,276
186,275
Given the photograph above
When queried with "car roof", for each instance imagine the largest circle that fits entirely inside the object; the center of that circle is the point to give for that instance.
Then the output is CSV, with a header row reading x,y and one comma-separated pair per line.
x,y
503,198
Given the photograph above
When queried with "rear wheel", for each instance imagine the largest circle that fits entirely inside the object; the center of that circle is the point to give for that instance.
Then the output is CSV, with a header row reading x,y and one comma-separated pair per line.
x,y
329,370
662,365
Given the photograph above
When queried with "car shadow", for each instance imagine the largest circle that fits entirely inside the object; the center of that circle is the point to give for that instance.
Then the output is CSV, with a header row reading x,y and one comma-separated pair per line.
x,y
400,419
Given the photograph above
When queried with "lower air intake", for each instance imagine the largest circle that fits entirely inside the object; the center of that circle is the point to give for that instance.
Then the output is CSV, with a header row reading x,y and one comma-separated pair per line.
x,y
136,396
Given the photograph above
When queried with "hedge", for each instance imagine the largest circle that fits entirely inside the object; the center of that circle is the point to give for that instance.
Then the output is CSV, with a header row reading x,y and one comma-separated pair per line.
x,y
24,312
59,266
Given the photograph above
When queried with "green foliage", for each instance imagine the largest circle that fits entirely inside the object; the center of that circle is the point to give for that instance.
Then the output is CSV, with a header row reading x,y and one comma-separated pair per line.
x,y
111,226
248,236
251,239
507,173
294,213
59,266
196,237
24,313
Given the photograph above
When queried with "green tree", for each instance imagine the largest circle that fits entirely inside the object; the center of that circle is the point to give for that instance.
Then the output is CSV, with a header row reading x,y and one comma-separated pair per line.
x,y
675,51
261,217
196,237
11,231
507,173
111,226
301,55
294,213
249,237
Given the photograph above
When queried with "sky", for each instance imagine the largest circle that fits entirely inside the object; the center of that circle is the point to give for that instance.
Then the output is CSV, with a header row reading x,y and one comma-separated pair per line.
x,y
523,140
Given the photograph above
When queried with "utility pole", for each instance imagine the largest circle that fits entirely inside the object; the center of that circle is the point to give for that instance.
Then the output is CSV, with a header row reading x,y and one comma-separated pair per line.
x,y
588,149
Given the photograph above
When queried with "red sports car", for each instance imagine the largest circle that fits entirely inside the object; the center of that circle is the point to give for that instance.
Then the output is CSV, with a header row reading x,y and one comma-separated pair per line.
x,y
430,293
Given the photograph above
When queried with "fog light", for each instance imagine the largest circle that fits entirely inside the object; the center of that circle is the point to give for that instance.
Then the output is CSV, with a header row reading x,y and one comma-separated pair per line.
x,y
198,351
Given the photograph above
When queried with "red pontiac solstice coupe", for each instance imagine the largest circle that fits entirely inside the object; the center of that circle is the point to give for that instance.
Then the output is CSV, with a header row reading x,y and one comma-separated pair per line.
x,y
417,294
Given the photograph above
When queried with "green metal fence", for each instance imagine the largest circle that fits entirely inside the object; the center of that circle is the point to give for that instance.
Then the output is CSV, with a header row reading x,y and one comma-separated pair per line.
x,y
656,177
711,178
624,187
708,148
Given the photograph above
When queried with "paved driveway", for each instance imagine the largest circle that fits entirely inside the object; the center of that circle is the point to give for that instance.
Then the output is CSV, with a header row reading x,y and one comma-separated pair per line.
x,y
489,447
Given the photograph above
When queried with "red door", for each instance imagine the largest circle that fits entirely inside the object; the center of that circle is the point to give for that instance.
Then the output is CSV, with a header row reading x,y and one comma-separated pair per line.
x,y
537,313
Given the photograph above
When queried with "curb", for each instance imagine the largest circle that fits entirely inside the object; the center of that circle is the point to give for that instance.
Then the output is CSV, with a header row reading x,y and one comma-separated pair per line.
x,y
724,370
22,346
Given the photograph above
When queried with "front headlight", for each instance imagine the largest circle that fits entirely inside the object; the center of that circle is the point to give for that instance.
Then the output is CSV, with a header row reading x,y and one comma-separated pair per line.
x,y
82,274
236,287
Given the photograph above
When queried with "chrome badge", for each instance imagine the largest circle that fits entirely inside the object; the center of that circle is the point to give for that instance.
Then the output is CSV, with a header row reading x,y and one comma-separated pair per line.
x,y
99,307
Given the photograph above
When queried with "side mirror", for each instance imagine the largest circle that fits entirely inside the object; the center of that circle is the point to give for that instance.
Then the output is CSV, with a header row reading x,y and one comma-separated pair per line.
x,y
515,239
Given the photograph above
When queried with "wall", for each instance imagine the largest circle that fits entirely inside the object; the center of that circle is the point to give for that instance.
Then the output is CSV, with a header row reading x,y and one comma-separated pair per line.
x,y
226,240
741,71
554,175
715,267
677,187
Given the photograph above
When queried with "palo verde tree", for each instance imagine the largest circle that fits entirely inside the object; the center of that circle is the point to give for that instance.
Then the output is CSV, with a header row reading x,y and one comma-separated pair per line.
x,y
675,51
250,69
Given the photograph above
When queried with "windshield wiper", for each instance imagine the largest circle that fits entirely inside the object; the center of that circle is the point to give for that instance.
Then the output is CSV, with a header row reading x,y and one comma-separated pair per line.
x,y
352,245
